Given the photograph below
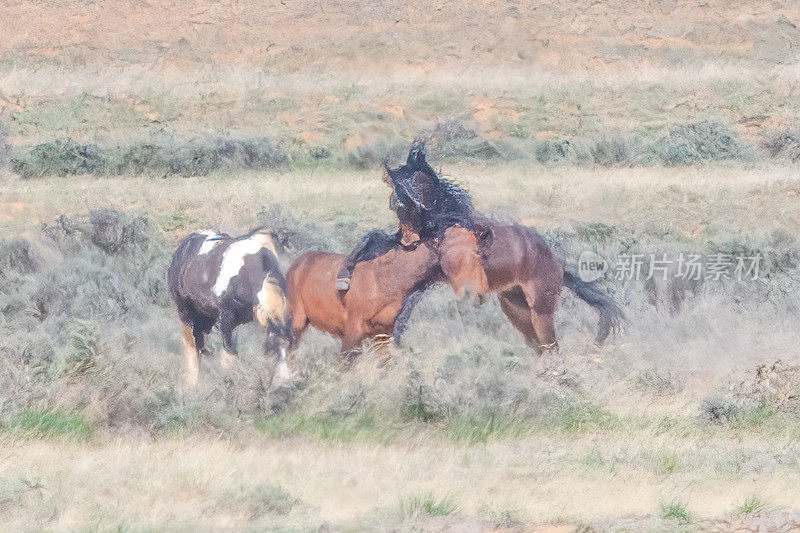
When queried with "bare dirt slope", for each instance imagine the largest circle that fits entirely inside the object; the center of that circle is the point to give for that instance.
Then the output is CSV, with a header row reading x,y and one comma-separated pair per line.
x,y
390,34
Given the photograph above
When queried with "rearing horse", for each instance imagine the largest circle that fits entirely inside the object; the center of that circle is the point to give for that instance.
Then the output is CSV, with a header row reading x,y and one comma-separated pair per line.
x,y
516,263
479,256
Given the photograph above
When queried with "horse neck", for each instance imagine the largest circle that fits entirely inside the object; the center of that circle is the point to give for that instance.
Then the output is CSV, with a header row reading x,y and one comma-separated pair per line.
x,y
415,269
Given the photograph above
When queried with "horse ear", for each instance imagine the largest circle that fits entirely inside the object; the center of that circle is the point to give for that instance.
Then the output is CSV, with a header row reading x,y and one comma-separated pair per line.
x,y
416,156
387,173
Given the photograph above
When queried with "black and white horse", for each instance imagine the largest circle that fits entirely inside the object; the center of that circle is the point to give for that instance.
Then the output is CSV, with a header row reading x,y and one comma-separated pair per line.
x,y
215,279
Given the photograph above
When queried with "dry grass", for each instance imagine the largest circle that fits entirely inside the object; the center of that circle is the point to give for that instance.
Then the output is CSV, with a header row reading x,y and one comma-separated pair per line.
x,y
463,415
682,127
183,484
694,202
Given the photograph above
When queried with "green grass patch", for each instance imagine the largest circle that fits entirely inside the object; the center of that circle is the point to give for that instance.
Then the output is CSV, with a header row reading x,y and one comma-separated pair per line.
x,y
50,423
667,464
413,506
674,510
360,427
753,505
471,430
753,416
573,414
261,500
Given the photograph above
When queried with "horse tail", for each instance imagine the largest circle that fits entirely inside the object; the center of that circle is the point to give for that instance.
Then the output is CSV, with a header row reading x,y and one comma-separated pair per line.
x,y
610,314
272,306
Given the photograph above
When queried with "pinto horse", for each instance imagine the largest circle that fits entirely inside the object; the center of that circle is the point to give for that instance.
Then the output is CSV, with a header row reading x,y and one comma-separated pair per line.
x,y
382,293
215,279
515,262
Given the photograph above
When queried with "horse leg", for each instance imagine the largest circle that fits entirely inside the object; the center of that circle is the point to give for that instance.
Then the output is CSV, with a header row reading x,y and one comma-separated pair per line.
x,y
542,300
277,344
191,354
299,323
351,342
401,323
228,355
461,265
284,373
513,304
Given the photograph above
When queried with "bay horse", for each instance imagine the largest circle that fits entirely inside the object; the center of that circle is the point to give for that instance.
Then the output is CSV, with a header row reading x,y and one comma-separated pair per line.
x,y
382,294
515,262
217,280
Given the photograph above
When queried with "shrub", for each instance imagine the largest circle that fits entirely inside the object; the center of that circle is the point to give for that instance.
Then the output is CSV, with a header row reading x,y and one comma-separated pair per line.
x,y
617,151
718,410
61,158
783,144
367,156
700,142
202,156
142,158
86,287
554,152
300,234
445,134
85,348
5,148
419,400
17,255
65,157
472,148
114,231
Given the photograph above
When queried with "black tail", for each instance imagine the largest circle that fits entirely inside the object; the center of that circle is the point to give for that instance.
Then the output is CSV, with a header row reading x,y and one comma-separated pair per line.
x,y
610,314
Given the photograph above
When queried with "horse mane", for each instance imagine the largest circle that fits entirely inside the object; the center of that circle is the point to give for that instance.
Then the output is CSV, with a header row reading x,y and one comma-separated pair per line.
x,y
260,229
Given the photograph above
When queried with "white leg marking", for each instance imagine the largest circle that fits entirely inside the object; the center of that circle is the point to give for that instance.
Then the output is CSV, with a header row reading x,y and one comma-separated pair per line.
x,y
283,368
191,357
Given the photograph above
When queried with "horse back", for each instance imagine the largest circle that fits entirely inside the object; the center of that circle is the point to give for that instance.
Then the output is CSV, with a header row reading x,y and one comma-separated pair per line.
x,y
211,271
310,288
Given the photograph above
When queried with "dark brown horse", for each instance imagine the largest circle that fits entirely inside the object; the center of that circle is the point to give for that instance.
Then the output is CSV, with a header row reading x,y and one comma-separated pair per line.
x,y
515,262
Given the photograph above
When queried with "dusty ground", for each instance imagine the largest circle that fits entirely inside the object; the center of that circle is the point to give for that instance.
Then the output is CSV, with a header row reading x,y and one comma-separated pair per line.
x,y
384,35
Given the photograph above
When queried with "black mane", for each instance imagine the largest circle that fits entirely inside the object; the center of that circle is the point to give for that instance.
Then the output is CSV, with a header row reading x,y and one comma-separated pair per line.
x,y
435,203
